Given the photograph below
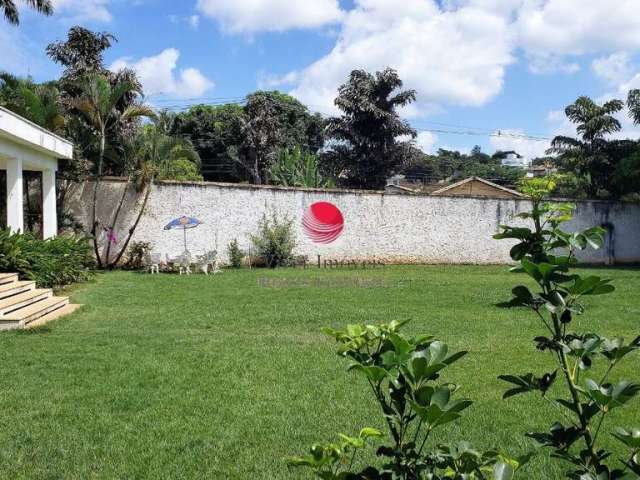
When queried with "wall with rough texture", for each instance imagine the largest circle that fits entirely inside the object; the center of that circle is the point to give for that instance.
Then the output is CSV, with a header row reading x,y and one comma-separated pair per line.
x,y
393,228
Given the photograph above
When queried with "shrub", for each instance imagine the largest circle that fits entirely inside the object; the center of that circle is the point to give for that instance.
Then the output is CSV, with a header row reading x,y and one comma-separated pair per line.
x,y
138,251
402,373
54,262
181,169
295,168
235,254
275,240
547,254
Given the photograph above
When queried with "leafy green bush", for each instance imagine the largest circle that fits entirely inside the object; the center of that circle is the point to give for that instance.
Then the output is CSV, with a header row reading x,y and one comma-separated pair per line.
x,y
402,373
53,262
136,255
295,168
181,169
547,255
235,254
275,240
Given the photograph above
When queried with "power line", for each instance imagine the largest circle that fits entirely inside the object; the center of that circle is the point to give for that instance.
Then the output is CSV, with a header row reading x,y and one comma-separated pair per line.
x,y
181,105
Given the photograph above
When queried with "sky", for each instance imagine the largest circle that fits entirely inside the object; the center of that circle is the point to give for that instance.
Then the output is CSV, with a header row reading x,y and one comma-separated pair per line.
x,y
494,73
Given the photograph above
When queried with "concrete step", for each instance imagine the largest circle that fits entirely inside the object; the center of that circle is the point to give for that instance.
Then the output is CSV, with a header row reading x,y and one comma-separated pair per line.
x,y
23,316
24,299
14,288
8,278
60,312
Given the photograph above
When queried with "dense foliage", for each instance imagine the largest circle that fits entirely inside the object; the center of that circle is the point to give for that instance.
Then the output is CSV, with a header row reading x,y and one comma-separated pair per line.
x,y
239,143
137,254
451,165
404,375
604,167
54,262
295,168
547,254
275,240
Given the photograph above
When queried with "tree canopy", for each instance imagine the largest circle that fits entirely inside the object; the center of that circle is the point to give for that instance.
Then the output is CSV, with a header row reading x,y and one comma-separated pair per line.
x,y
365,146
12,15
600,163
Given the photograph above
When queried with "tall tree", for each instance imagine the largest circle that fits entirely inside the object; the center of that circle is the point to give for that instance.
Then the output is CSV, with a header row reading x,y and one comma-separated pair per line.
x,y
10,9
591,156
240,142
97,104
366,149
216,133
81,53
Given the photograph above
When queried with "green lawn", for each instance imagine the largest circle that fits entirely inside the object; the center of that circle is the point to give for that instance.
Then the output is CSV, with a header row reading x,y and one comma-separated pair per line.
x,y
222,377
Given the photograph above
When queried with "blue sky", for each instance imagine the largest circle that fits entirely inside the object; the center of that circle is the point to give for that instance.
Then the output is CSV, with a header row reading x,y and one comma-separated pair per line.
x,y
479,66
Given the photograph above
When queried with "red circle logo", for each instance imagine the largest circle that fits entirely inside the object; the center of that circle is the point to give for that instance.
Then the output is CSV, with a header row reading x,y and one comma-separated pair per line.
x,y
323,222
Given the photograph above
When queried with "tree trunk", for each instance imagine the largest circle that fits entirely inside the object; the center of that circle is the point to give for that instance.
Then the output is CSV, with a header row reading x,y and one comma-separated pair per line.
x,y
134,226
115,219
94,221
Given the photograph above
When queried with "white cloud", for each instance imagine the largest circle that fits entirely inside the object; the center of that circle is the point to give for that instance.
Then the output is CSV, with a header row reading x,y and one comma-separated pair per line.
x,y
543,63
158,75
516,140
83,10
192,20
575,27
249,16
455,57
426,140
614,69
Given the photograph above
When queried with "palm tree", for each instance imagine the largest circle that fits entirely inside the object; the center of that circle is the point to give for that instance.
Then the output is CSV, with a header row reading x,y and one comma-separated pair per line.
x,y
42,106
590,156
10,10
97,103
149,153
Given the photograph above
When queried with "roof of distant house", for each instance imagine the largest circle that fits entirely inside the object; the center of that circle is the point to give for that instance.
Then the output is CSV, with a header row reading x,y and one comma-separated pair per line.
x,y
450,188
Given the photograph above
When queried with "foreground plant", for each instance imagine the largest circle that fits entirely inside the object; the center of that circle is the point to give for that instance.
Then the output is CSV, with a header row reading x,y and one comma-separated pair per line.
x,y
54,262
403,374
547,254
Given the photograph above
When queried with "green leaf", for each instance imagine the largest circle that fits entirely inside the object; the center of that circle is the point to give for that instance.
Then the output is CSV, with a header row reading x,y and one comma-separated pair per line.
x,y
373,373
369,432
400,344
522,293
437,352
503,471
531,269
631,438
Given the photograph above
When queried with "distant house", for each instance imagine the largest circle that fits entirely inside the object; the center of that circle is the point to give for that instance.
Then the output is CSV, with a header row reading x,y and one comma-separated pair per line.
x,y
514,159
541,171
396,188
478,187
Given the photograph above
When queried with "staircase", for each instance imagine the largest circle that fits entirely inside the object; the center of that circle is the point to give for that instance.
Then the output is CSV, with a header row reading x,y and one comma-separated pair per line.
x,y
22,305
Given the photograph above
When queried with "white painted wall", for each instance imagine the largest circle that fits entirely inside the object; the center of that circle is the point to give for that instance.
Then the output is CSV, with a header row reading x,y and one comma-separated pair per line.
x,y
394,228
25,132
26,146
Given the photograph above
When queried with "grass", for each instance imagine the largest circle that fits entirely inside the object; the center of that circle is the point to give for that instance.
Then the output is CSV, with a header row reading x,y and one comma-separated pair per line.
x,y
222,377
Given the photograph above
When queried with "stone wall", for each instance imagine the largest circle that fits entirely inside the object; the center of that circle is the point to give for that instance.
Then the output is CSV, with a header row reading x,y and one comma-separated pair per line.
x,y
389,227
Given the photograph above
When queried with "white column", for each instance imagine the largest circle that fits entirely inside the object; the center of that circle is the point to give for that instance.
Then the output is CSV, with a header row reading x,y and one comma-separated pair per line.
x,y
49,214
15,209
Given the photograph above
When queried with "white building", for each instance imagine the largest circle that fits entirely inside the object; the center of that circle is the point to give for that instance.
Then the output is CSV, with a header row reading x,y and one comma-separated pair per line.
x,y
26,146
514,159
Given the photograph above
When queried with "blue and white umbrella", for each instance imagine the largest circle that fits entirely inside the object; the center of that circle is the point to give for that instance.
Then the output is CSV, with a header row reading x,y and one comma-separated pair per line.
x,y
183,223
